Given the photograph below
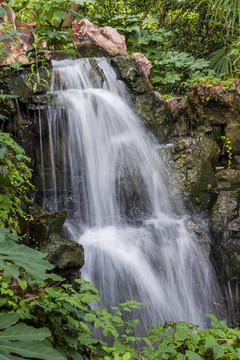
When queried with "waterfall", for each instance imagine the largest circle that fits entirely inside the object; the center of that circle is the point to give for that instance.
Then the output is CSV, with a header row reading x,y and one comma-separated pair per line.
x,y
110,176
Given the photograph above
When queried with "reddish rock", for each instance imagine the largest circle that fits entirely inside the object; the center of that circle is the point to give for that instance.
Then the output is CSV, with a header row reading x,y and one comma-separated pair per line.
x,y
143,62
90,40
17,45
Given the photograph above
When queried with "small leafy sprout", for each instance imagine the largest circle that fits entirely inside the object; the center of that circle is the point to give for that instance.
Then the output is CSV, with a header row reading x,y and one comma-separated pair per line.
x,y
35,78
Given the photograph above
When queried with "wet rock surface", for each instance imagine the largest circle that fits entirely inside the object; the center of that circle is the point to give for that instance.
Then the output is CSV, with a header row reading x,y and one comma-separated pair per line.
x,y
196,127
131,73
205,175
153,111
66,255
44,229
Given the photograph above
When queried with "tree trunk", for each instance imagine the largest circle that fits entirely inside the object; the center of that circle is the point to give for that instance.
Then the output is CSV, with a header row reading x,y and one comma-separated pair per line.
x,y
69,18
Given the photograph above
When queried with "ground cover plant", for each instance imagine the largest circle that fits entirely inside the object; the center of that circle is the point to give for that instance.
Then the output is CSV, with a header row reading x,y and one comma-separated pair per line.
x,y
43,317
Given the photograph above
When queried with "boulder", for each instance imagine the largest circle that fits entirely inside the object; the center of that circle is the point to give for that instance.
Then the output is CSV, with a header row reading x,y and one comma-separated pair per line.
x,y
224,211
232,131
225,227
44,223
66,255
145,65
132,73
201,236
92,41
143,62
228,179
152,109
20,87
44,229
214,104
192,170
177,111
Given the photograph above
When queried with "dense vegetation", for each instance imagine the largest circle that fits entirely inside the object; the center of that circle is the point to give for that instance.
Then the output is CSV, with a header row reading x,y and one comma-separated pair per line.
x,y
42,317
187,41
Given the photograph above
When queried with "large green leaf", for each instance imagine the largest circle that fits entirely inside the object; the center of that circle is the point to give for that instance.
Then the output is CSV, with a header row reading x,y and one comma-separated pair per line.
x,y
192,355
24,332
221,60
20,255
24,340
33,349
7,319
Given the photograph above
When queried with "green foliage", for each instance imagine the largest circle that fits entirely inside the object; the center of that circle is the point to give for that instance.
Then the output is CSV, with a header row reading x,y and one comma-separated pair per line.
x,y
60,39
35,78
14,181
14,256
182,341
52,319
186,40
172,70
52,310
227,149
229,10
178,69
45,12
24,340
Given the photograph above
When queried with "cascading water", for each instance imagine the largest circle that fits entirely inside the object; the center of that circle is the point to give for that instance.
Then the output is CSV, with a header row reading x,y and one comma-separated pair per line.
x,y
108,173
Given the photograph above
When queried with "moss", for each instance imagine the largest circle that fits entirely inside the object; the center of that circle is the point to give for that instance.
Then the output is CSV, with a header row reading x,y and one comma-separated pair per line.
x,y
204,186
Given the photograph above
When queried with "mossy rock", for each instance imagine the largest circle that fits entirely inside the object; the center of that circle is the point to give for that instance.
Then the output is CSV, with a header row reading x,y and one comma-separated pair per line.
x,y
8,108
19,85
64,254
193,170
45,223
152,109
228,179
224,211
202,190
131,74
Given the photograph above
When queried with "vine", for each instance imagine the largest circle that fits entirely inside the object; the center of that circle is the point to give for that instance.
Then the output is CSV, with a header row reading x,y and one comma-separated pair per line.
x,y
227,149
15,182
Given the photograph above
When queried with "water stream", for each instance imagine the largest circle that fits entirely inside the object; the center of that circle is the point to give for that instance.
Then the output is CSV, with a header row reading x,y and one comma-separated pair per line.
x,y
110,176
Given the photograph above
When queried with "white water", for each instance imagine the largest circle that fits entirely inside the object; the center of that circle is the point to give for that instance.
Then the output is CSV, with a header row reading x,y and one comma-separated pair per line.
x,y
108,173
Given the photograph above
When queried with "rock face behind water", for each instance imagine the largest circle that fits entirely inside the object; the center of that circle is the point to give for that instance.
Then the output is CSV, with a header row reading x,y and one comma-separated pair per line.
x,y
203,176
90,40
44,231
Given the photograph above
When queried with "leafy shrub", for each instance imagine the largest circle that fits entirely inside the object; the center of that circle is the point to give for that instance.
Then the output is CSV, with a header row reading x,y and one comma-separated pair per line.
x,y
43,318
14,181
182,341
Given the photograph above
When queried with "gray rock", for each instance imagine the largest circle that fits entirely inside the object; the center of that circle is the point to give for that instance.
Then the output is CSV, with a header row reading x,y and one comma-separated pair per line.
x,y
66,255
223,212
131,73
202,237
228,179
44,223
192,170
152,109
